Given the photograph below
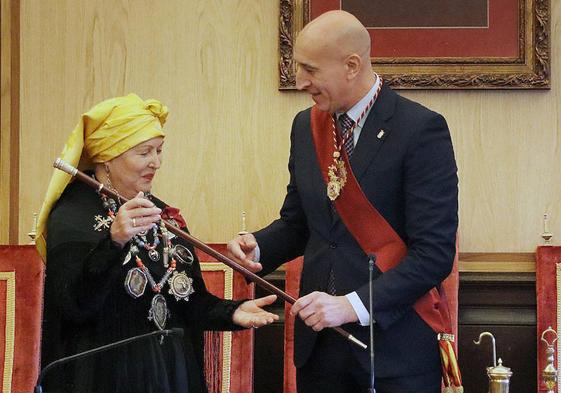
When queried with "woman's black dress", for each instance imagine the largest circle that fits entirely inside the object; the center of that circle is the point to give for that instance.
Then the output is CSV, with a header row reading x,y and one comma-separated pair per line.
x,y
86,305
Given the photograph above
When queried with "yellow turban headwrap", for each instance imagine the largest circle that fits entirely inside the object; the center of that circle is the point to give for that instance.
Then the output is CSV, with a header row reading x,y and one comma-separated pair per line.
x,y
104,132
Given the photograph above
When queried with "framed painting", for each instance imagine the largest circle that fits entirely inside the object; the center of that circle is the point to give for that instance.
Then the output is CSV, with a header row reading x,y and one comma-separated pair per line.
x,y
439,44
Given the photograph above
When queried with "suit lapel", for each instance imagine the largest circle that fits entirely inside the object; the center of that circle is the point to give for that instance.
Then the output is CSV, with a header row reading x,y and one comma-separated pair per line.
x,y
375,130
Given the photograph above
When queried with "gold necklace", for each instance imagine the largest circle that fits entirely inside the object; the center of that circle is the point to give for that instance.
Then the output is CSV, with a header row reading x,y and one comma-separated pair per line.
x,y
337,172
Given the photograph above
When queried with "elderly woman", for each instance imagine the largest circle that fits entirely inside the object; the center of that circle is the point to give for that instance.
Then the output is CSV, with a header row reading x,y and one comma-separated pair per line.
x,y
109,276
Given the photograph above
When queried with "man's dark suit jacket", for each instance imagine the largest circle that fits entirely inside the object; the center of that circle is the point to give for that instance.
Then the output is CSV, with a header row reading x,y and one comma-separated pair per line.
x,y
409,174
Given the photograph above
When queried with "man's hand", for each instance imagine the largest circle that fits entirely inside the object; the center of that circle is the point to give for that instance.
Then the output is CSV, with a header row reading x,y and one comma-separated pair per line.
x,y
242,248
252,314
319,310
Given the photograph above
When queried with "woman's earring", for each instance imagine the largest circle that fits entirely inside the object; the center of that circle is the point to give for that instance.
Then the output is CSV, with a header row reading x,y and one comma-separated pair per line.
x,y
108,173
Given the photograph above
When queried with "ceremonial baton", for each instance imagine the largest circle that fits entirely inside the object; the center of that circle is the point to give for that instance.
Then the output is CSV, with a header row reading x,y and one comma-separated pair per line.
x,y
74,172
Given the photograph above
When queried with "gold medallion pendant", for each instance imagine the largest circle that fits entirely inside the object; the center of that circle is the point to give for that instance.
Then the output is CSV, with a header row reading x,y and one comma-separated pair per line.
x,y
337,174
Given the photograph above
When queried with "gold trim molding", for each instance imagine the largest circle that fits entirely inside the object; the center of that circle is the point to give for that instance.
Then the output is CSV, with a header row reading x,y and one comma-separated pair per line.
x,y
10,278
227,336
488,262
558,311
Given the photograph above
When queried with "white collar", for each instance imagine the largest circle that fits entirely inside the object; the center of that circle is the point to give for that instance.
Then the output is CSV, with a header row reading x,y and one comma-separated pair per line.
x,y
356,110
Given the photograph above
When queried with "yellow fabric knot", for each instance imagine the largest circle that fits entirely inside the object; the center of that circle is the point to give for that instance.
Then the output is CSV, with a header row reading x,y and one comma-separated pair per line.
x,y
158,109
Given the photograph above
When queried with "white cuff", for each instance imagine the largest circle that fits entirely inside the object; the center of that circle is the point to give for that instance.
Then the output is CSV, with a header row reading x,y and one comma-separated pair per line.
x,y
360,310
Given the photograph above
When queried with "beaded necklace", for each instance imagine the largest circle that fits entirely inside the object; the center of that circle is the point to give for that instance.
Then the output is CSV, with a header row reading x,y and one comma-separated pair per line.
x,y
137,278
142,241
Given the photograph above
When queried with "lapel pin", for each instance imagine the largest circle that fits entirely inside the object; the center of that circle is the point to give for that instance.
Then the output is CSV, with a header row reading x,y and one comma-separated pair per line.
x,y
380,134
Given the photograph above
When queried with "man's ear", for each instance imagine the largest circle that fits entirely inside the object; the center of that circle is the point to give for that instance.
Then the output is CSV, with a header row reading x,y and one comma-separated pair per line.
x,y
353,63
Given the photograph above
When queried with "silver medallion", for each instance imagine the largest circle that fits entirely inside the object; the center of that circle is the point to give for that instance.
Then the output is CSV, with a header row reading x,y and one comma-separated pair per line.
x,y
135,282
182,254
154,255
158,312
181,286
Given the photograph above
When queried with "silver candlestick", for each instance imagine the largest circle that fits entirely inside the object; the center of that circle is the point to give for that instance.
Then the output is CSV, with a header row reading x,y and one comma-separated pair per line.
x,y
33,234
546,235
244,228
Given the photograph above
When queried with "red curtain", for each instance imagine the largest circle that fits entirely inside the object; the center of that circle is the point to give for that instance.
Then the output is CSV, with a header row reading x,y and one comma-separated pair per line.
x,y
240,355
21,304
547,258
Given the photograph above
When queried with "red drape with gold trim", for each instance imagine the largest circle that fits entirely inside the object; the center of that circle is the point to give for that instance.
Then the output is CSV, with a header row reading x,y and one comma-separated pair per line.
x,y
21,303
547,259
221,361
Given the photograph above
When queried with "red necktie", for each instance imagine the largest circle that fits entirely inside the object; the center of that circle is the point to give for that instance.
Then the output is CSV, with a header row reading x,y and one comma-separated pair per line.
x,y
347,126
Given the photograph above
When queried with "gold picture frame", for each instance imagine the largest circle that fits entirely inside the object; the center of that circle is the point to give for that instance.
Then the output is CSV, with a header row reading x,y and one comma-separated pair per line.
x,y
529,70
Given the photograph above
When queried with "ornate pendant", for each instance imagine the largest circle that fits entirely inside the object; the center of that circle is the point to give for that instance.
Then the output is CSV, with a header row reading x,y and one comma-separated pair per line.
x,y
337,174
127,258
182,254
158,312
133,250
333,189
135,282
181,286
154,255
102,223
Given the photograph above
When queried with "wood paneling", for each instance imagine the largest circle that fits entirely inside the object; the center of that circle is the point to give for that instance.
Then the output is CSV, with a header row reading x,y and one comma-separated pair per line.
x,y
214,63
486,262
507,146
505,305
9,121
5,66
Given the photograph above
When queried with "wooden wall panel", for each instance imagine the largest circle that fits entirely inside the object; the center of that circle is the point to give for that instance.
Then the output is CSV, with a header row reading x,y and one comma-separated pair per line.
x,y
505,305
9,121
214,63
507,146
5,66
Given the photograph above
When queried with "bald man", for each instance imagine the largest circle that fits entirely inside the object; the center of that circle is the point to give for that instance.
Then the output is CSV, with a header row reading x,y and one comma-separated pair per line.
x,y
402,159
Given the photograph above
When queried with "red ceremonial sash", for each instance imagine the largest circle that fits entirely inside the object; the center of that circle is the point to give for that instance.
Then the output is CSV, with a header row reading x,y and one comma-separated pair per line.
x,y
363,220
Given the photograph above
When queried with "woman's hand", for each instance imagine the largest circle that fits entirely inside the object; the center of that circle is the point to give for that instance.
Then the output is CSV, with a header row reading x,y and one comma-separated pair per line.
x,y
251,314
133,217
